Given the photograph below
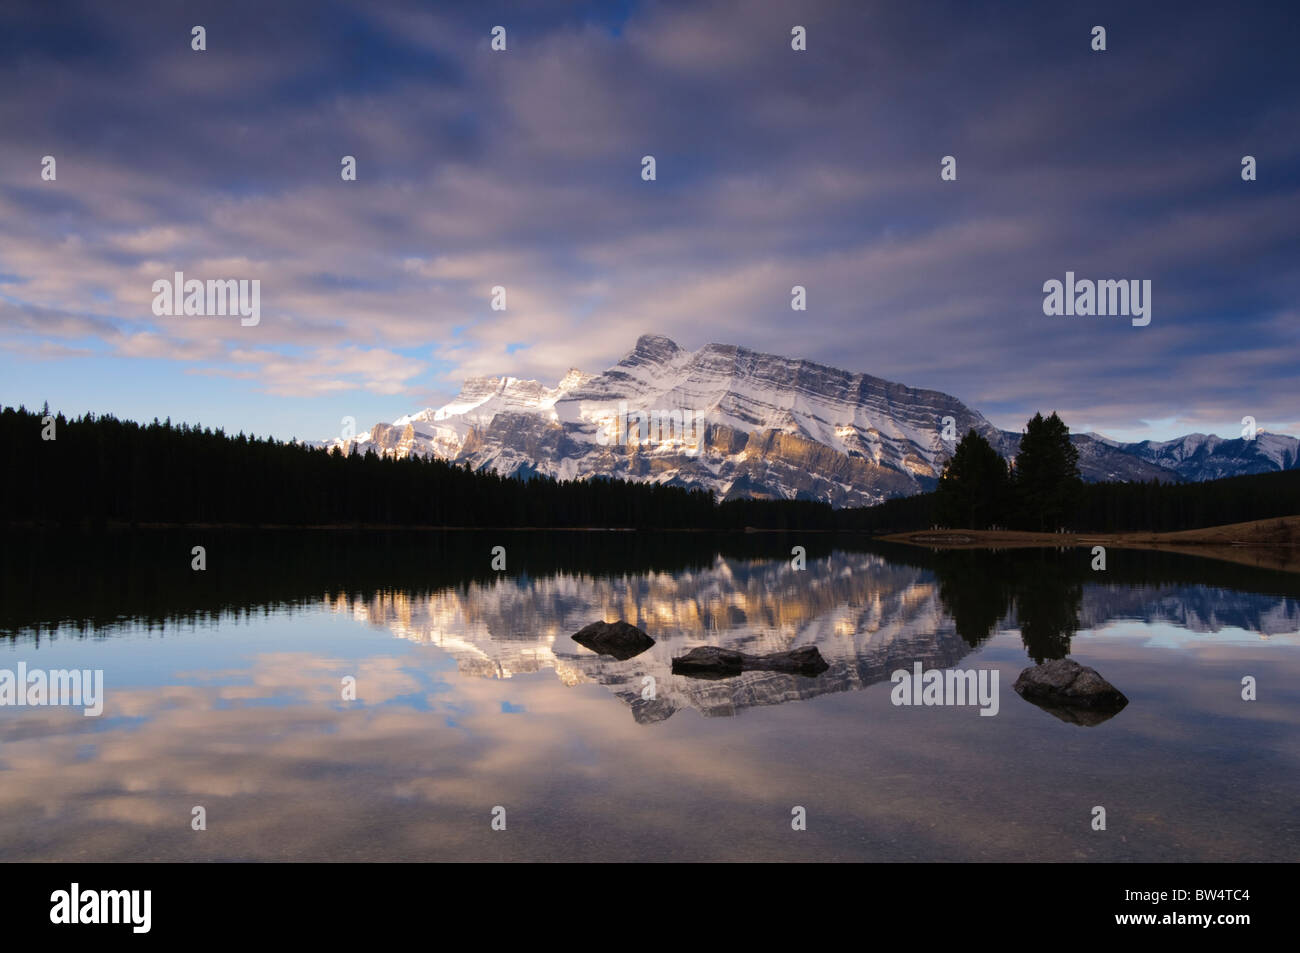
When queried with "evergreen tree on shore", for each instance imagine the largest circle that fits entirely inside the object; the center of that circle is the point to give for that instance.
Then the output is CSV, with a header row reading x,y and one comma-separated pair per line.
x,y
974,488
1046,475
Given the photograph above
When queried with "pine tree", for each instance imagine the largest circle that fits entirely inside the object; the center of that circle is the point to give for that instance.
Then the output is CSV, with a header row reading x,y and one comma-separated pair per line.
x,y
1046,476
973,489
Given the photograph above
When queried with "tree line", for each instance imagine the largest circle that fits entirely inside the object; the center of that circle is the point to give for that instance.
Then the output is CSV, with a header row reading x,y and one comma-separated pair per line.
x,y
102,470
99,470
1041,490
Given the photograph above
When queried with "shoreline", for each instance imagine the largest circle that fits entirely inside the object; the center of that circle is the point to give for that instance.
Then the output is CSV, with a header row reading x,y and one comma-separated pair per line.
x,y
1267,544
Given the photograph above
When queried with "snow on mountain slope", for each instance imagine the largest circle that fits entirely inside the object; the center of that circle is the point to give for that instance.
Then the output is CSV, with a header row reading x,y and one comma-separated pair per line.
x,y
1101,459
746,424
1208,457
725,418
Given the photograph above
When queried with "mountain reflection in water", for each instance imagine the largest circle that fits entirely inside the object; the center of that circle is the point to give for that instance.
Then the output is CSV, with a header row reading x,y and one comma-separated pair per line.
x,y
223,690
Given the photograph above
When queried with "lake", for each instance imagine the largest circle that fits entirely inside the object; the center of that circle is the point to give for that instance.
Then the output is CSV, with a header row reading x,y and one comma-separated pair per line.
x,y
227,689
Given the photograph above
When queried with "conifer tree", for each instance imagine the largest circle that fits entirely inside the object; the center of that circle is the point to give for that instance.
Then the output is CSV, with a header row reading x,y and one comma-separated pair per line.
x,y
1046,476
973,489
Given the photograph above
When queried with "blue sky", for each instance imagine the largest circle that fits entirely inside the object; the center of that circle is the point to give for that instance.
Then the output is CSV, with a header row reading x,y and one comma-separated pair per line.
x,y
775,168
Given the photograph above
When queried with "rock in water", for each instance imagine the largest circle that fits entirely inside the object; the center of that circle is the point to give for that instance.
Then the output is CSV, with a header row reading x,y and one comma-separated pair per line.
x,y
708,661
1062,686
620,639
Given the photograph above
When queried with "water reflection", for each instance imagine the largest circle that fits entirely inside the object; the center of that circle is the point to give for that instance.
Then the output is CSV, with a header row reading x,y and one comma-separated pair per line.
x,y
224,691
868,608
865,615
868,615
1042,588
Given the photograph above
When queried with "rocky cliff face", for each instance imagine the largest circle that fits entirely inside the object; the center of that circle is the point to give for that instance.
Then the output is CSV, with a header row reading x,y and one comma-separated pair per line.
x,y
724,418
745,424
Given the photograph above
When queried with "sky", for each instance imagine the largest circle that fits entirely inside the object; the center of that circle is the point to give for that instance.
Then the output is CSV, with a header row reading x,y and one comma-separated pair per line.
x,y
522,169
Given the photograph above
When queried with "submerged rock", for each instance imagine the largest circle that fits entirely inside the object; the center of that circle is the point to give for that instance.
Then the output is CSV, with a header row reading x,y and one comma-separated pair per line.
x,y
1070,691
708,661
620,639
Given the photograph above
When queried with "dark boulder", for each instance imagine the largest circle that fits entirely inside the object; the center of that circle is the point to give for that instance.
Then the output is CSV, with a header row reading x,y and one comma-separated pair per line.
x,y
620,639
708,661
1070,691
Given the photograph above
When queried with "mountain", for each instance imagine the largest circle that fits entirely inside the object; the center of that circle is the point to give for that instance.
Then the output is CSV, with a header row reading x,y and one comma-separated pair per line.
x,y
1101,459
1201,456
724,418
745,424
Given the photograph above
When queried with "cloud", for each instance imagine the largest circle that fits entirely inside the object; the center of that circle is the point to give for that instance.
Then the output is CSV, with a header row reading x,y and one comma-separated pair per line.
x,y
776,168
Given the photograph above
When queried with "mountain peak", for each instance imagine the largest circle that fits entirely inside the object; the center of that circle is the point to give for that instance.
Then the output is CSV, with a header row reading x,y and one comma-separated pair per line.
x,y
655,345
739,422
573,378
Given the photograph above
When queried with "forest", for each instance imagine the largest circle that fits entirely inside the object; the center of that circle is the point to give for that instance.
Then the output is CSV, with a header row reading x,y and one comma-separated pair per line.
x,y
100,471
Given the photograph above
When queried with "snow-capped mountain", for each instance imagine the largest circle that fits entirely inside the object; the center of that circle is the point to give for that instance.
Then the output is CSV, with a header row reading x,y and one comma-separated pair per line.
x,y
746,424
1100,459
443,431
1201,456
724,418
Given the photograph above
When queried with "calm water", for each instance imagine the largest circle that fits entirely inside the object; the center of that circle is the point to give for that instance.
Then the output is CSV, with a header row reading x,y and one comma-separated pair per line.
x,y
223,690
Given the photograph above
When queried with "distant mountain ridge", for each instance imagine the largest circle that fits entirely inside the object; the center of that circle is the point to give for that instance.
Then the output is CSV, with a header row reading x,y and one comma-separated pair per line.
x,y
1199,456
745,424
